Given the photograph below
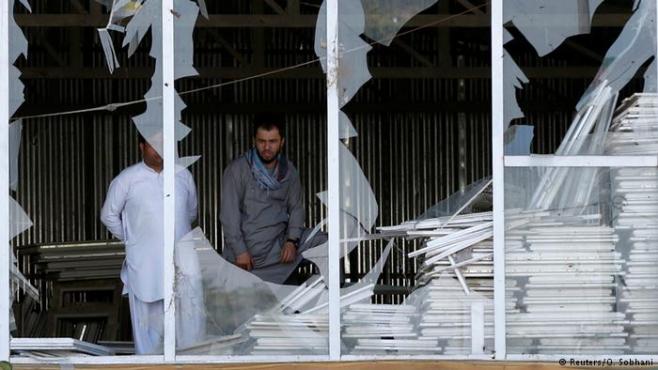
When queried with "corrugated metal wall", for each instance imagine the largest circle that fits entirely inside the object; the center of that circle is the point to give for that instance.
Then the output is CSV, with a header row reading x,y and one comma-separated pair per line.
x,y
68,162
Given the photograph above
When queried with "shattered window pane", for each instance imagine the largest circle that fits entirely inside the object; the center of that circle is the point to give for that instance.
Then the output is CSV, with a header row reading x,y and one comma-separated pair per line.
x,y
265,306
448,308
19,221
135,19
556,34
575,277
580,240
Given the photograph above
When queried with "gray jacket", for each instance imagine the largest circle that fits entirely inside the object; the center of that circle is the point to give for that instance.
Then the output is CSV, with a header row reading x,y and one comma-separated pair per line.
x,y
258,220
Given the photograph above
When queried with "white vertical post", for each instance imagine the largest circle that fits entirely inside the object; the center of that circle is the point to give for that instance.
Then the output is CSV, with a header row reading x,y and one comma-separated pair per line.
x,y
477,328
333,176
4,180
169,157
498,167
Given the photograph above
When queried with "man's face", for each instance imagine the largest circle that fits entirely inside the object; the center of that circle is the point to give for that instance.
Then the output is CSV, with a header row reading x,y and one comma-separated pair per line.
x,y
268,144
150,155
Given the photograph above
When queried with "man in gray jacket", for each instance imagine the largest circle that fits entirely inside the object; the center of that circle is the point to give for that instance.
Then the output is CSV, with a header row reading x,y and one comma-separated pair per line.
x,y
262,207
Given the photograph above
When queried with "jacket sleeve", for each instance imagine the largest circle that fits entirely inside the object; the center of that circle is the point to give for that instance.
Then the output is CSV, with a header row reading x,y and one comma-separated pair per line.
x,y
114,204
229,214
295,208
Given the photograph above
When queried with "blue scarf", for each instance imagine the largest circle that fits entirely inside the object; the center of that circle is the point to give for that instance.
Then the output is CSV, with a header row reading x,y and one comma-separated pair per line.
x,y
265,180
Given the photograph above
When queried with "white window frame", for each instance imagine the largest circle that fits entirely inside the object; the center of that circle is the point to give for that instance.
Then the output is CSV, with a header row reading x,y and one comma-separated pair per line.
x,y
499,163
333,177
169,157
4,181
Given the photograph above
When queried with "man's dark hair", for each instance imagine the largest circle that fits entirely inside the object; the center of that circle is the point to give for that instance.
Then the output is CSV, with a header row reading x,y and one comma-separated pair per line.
x,y
270,121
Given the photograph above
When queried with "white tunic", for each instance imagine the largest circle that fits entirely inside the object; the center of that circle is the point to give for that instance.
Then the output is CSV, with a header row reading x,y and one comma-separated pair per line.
x,y
134,213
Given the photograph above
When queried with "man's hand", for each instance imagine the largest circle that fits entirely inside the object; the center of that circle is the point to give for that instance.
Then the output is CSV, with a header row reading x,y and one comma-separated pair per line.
x,y
244,261
288,253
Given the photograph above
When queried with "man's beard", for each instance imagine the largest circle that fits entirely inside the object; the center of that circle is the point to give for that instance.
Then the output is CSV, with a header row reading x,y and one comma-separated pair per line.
x,y
265,161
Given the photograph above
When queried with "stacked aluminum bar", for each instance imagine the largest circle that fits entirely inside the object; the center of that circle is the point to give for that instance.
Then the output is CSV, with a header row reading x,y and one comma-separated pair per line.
x,y
296,334
448,314
287,329
564,281
455,296
384,328
300,325
635,202
52,348
79,261
223,345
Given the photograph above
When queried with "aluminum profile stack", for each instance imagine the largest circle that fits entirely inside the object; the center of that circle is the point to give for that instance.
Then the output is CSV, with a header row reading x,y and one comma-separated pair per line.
x,y
448,314
384,328
300,324
564,282
635,203
288,328
455,283
53,348
222,345
78,261
296,334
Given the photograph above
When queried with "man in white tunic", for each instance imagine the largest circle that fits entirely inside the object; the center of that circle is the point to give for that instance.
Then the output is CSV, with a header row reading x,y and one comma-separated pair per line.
x,y
133,212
